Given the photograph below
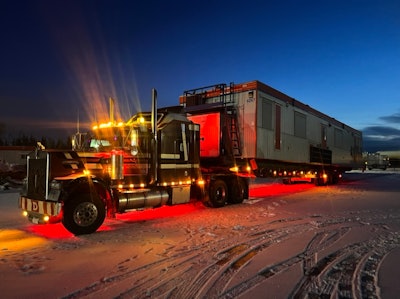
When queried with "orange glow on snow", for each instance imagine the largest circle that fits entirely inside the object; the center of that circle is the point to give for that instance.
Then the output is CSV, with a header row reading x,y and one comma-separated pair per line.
x,y
18,240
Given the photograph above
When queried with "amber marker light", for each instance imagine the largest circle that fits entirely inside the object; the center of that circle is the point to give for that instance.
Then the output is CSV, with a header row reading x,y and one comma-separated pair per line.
x,y
234,169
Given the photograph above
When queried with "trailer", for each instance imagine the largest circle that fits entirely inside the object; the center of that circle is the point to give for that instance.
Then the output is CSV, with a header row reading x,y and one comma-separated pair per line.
x,y
206,148
272,134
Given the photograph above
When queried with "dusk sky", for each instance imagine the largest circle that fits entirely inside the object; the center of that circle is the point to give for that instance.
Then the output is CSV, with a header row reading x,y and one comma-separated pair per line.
x,y
61,60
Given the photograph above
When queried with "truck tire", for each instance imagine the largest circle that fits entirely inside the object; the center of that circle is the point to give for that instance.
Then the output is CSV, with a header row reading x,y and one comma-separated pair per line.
x,y
218,194
83,214
335,179
237,191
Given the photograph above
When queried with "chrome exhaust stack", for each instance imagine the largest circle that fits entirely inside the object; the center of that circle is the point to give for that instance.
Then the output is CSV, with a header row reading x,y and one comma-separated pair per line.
x,y
154,161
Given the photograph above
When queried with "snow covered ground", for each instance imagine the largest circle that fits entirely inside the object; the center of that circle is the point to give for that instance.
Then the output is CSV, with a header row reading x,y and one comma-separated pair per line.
x,y
286,241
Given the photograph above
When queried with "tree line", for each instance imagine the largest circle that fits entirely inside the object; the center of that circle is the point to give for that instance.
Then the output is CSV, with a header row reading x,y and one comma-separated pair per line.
x,y
22,139
25,140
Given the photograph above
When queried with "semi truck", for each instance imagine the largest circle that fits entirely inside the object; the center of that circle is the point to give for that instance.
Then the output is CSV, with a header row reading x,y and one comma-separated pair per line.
x,y
376,161
206,148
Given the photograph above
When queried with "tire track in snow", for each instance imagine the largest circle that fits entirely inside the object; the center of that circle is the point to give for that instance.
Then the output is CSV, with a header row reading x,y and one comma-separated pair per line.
x,y
207,270
320,241
350,272
154,279
201,279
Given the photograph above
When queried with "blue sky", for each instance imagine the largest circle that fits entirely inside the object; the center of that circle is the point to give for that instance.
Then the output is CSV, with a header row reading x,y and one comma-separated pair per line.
x,y
60,59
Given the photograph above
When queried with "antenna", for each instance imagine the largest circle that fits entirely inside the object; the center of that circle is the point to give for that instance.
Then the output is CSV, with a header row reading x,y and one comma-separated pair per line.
x,y
77,123
111,110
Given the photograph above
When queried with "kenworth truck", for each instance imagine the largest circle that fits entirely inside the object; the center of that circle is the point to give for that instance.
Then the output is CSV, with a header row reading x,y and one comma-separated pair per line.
x,y
151,160
204,149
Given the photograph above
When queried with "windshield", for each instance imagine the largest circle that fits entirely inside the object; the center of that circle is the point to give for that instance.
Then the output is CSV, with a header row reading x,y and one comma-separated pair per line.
x,y
97,143
108,138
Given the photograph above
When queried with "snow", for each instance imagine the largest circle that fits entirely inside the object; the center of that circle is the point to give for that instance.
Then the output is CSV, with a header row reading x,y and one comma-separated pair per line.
x,y
286,241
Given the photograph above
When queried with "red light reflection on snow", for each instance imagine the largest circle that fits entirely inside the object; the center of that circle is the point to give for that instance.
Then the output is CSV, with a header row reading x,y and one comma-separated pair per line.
x,y
58,231
277,189
50,231
162,212
55,231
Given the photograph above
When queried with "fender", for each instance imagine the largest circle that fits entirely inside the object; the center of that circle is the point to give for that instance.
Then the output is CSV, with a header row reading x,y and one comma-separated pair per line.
x,y
89,184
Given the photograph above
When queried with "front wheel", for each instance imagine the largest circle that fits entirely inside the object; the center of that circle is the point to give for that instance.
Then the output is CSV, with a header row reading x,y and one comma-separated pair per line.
x,y
83,214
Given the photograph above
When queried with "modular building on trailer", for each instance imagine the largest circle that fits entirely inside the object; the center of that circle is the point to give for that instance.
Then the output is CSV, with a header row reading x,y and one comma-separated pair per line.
x,y
272,132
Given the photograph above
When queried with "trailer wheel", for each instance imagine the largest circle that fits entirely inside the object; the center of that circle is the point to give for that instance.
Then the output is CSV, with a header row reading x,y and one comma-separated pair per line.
x,y
218,194
335,178
322,181
84,214
237,191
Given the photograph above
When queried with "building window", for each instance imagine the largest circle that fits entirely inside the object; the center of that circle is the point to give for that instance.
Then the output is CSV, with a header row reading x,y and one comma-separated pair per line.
x,y
277,127
266,114
338,138
300,125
